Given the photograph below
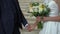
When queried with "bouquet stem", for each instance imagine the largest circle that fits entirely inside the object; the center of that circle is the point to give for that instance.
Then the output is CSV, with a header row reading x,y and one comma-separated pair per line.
x,y
40,25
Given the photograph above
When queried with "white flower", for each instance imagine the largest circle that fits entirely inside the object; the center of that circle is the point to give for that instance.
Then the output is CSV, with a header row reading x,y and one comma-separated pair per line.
x,y
35,8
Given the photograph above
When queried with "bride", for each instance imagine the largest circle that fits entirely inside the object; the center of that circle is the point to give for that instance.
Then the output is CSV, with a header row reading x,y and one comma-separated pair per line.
x,y
51,23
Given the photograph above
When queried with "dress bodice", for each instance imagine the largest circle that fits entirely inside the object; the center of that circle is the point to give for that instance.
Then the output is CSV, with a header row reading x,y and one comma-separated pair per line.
x,y
54,9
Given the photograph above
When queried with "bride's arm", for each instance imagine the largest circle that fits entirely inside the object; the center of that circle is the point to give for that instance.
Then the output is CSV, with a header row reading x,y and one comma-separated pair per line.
x,y
38,19
57,18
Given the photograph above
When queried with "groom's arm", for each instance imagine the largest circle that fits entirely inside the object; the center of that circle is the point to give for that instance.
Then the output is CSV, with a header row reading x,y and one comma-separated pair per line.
x,y
20,14
22,19
24,22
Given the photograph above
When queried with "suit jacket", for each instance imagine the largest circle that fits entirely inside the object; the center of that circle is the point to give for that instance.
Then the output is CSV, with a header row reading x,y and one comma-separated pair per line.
x,y
11,17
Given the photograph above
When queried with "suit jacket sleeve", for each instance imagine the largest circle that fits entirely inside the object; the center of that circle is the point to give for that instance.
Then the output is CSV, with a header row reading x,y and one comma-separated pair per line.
x,y
22,19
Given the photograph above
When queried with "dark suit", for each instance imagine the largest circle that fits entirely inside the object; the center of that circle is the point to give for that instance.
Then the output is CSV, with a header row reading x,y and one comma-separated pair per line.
x,y
11,17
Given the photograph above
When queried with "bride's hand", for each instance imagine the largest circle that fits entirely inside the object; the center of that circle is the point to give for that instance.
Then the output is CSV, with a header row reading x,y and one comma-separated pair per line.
x,y
32,27
38,19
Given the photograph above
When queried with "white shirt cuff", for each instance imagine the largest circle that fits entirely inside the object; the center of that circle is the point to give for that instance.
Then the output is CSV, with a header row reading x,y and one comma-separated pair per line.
x,y
26,25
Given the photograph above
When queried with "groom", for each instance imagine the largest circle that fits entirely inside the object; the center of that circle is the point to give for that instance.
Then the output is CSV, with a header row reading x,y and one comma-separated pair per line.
x,y
11,17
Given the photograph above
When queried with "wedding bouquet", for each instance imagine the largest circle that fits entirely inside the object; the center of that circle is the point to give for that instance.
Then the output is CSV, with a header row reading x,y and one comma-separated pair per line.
x,y
41,10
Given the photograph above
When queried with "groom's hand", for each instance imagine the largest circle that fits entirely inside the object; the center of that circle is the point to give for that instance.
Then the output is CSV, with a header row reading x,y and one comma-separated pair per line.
x,y
28,27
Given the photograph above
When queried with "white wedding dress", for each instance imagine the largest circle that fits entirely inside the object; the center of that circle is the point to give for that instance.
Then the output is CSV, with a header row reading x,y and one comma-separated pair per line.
x,y
51,27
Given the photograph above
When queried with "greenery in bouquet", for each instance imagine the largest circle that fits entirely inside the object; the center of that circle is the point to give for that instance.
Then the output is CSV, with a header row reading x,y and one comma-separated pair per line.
x,y
42,10
35,4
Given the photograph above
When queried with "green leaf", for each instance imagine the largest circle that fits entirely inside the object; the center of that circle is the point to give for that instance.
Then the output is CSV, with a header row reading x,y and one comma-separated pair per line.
x,y
35,4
